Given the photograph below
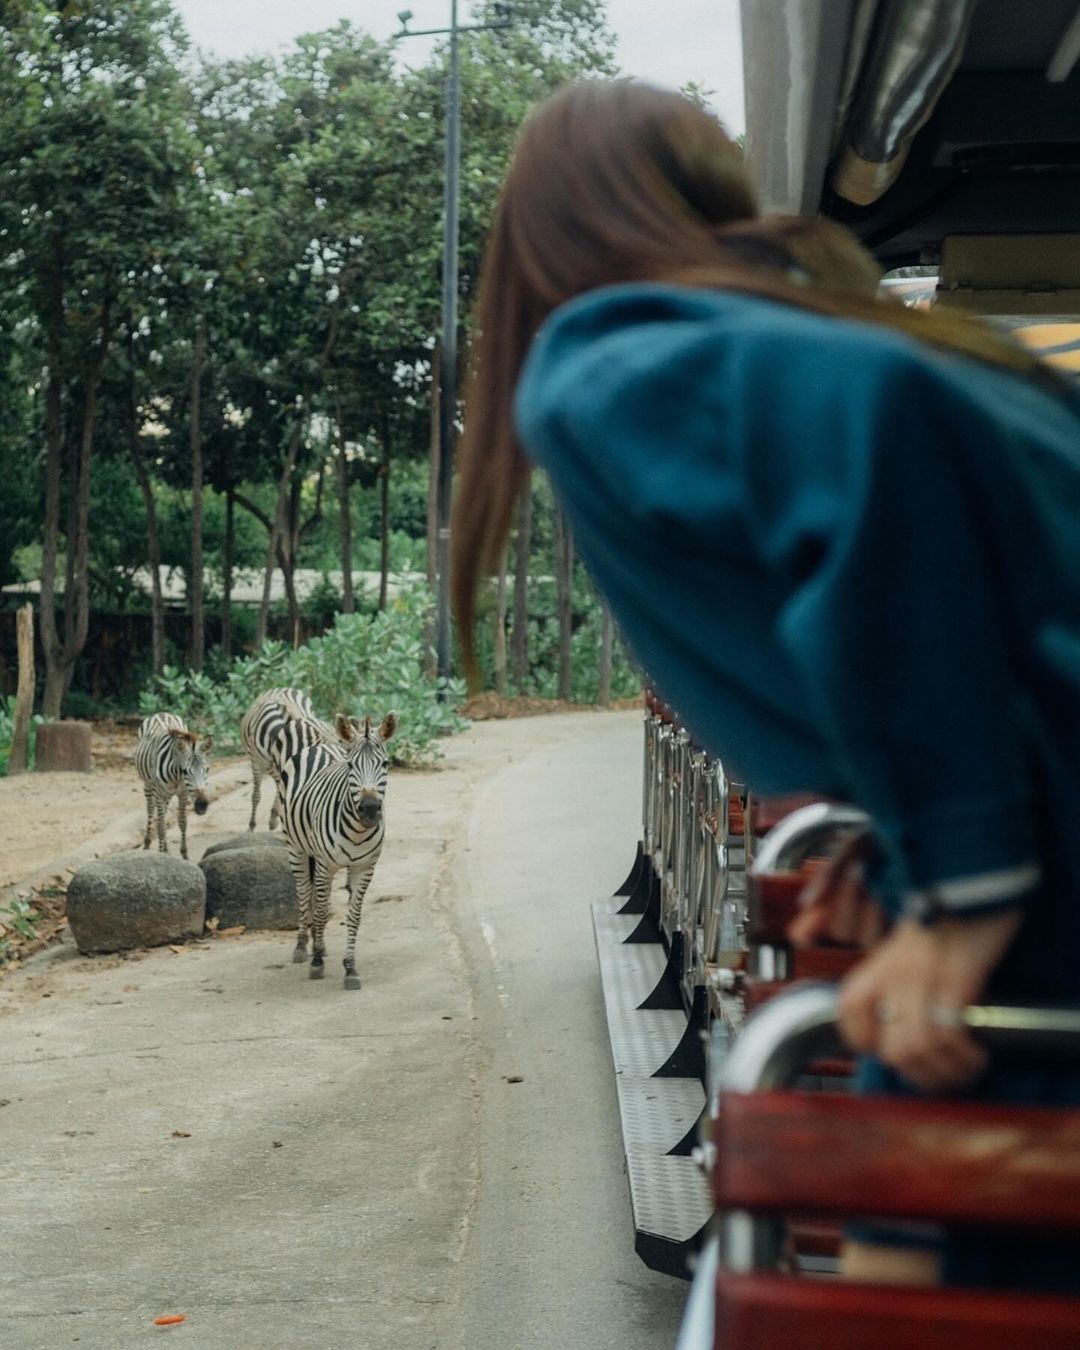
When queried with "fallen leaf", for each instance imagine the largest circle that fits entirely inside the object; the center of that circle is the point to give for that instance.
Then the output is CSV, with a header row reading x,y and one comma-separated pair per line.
x,y
515,1078
231,932
174,948
145,1190
278,1144
181,1134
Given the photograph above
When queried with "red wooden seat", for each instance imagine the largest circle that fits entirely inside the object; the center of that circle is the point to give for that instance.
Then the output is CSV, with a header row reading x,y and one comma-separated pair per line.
x,y
956,1162
774,1312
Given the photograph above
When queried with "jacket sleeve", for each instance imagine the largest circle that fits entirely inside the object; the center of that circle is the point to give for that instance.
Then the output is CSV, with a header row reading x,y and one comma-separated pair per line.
x,y
902,633
843,464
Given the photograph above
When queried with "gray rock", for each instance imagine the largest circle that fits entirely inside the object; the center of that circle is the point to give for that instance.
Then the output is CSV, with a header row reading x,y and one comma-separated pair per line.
x,y
253,839
135,900
252,886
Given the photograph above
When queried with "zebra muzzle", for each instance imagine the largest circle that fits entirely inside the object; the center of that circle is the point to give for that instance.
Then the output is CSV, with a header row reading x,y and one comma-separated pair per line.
x,y
201,804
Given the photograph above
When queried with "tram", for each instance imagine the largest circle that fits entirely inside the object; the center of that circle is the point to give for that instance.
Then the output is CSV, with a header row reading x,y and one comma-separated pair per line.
x,y
946,134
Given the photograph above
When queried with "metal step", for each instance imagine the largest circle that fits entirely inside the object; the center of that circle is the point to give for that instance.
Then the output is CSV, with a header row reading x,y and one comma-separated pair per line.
x,y
671,1209
658,1105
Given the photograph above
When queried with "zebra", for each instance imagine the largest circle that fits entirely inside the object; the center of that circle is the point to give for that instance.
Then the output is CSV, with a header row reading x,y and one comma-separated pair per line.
x,y
170,760
260,726
332,816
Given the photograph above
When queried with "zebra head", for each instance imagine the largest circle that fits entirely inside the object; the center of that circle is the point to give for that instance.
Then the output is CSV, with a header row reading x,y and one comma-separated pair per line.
x,y
365,750
189,756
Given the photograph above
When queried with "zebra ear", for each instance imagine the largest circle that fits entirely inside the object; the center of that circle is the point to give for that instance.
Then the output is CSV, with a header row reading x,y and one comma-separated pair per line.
x,y
388,727
344,726
206,744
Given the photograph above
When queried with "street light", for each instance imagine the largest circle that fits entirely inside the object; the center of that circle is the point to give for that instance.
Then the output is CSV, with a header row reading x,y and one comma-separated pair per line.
x,y
449,362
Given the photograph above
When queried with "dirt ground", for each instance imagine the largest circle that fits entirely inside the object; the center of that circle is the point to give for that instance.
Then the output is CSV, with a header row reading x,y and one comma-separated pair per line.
x,y
46,815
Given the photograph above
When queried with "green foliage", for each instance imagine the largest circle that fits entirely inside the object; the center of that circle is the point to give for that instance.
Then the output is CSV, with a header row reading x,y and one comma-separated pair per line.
x,y
7,731
364,665
20,918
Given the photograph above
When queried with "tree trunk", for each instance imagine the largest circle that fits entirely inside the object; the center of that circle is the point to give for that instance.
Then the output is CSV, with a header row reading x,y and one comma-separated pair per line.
x,y
54,454
500,623
519,636
227,573
290,548
432,566
153,549
278,526
564,572
277,531
348,599
24,695
198,625
384,514
433,473
603,692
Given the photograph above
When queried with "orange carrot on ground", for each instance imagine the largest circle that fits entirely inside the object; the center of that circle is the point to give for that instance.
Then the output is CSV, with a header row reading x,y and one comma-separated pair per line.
x,y
169,1320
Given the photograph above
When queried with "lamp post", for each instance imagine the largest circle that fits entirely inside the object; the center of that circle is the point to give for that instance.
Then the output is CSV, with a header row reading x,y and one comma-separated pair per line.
x,y
448,370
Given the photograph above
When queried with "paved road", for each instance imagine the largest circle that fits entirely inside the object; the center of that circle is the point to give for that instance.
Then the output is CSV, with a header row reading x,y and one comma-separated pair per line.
x,y
549,1261
350,1171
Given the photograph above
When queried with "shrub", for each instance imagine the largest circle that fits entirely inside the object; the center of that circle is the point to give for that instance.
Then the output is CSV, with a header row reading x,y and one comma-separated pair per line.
x,y
7,731
365,664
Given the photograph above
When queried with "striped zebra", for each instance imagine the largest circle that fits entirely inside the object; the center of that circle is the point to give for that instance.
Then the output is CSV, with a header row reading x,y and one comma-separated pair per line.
x,y
170,760
332,817
260,727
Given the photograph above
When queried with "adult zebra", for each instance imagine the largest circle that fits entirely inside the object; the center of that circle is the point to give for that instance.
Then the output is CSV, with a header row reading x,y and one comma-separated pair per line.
x,y
259,729
332,816
171,760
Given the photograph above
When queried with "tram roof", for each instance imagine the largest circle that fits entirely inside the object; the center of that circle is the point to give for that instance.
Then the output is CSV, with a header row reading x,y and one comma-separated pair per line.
x,y
914,120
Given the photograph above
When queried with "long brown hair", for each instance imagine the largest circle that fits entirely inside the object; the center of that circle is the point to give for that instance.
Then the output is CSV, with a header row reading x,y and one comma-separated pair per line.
x,y
616,181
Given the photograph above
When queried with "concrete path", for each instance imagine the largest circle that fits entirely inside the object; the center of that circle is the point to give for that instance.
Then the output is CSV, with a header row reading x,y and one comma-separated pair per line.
x,y
290,1165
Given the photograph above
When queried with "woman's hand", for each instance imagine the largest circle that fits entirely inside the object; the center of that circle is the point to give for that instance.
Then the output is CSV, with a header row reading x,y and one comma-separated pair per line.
x,y
835,904
901,1003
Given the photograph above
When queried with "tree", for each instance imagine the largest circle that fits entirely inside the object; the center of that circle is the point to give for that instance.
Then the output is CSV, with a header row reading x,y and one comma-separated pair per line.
x,y
90,157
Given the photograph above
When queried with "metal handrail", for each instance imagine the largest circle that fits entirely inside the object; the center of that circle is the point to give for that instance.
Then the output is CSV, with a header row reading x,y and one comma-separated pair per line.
x,y
803,833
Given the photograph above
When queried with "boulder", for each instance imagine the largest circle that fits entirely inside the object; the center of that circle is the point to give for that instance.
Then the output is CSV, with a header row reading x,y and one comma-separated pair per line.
x,y
250,886
253,839
63,747
135,900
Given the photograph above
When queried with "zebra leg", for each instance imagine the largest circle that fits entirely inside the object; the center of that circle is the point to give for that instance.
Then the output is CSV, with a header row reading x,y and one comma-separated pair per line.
x,y
359,881
161,803
320,912
276,809
148,793
301,870
181,814
256,792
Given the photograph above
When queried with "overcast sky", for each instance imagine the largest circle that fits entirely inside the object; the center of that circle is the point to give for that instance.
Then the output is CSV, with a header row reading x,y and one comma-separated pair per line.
x,y
666,41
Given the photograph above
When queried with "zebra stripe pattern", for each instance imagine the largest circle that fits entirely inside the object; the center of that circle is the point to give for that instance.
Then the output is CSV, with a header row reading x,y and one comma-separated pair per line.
x,y
333,818
259,729
171,761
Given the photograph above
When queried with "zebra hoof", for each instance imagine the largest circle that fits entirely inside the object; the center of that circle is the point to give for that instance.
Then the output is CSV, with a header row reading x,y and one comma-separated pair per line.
x,y
299,956
352,981
316,972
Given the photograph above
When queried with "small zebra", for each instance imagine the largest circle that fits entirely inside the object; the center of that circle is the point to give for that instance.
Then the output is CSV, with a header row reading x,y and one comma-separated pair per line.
x,y
259,728
332,817
171,760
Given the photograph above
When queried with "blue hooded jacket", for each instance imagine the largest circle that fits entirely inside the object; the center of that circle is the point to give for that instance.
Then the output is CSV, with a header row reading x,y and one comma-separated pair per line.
x,y
852,563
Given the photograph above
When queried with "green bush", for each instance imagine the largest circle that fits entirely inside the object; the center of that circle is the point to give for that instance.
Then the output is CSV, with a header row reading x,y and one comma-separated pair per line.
x,y
365,664
7,731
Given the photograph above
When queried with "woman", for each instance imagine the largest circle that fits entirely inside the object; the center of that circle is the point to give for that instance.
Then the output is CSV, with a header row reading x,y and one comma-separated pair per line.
x,y
840,534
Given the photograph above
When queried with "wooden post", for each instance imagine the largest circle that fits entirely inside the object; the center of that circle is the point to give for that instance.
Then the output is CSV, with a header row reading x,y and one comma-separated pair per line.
x,y
24,697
